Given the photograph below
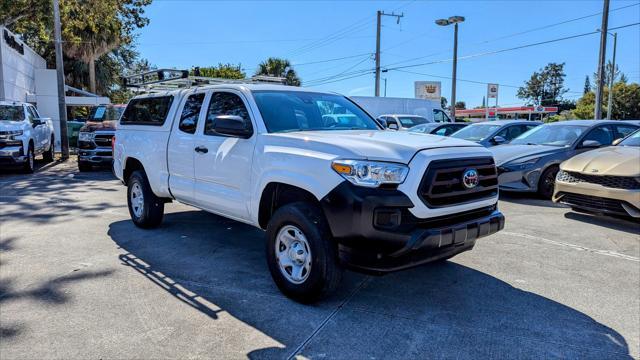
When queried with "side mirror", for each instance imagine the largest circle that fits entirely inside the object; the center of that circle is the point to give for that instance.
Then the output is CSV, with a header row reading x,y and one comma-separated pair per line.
x,y
590,144
617,141
392,126
232,125
36,122
498,140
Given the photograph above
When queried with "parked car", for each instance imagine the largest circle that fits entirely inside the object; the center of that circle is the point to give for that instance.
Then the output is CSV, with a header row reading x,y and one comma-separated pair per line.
x,y
328,197
530,162
96,136
604,181
378,106
24,134
401,122
73,130
491,133
442,129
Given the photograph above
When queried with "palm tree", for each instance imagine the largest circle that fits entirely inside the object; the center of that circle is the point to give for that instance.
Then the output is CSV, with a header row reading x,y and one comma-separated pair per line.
x,y
280,68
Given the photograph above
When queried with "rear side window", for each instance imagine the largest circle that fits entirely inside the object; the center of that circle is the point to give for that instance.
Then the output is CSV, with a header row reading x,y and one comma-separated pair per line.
x,y
190,113
147,111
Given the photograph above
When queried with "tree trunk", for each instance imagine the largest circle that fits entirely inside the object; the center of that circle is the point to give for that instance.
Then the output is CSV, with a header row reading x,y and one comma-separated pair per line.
x,y
92,75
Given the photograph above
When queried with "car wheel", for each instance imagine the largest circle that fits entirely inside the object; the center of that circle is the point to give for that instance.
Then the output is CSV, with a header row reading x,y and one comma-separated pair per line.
x,y
49,155
145,208
84,167
547,182
29,165
301,253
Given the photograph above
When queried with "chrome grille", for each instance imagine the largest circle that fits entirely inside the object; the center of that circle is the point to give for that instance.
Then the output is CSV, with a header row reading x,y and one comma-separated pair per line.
x,y
616,182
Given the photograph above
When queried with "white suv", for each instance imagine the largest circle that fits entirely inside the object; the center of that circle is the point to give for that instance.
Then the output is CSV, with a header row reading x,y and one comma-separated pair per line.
x,y
24,135
329,193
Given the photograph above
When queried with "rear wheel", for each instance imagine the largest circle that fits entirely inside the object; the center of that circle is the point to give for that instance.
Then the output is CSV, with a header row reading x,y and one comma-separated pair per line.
x,y
547,182
49,155
29,165
301,254
145,208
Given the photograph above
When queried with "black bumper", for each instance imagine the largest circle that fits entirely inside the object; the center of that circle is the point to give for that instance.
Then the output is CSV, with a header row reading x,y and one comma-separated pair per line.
x,y
377,233
98,156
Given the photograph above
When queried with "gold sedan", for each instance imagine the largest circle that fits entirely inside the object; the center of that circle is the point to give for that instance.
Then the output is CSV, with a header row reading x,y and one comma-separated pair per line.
x,y
605,181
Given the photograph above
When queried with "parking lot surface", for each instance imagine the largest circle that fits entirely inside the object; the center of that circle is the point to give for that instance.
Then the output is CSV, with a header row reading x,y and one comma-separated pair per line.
x,y
79,280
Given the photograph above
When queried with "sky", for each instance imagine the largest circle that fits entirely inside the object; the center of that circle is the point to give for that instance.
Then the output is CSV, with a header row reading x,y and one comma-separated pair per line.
x,y
313,34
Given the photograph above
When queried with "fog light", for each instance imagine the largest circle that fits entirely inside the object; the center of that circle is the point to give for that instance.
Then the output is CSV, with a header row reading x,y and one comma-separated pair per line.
x,y
387,218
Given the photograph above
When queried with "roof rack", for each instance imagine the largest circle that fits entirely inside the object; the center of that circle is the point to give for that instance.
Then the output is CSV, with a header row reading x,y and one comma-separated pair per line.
x,y
172,79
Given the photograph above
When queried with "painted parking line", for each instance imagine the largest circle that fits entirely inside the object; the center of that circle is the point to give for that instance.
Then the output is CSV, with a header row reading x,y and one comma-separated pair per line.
x,y
573,246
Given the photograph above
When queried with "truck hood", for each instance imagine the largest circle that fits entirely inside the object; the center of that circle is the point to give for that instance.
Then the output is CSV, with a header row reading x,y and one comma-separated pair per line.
x,y
91,126
506,153
396,146
12,125
612,160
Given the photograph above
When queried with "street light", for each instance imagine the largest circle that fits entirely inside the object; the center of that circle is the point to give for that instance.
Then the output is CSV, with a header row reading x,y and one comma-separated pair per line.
x,y
613,73
445,22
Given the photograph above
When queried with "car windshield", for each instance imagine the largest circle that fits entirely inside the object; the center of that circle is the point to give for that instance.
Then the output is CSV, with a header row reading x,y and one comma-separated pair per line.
x,y
105,113
554,135
476,132
285,111
409,121
632,140
11,113
425,128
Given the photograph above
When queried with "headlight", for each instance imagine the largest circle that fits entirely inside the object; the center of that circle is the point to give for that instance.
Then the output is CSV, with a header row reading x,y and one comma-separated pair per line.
x,y
11,134
370,173
521,164
86,136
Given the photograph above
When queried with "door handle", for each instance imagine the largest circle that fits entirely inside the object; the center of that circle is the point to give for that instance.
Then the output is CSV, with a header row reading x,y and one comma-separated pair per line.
x,y
201,149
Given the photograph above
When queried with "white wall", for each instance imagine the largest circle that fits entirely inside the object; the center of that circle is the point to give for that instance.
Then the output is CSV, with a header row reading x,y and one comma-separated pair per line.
x,y
17,71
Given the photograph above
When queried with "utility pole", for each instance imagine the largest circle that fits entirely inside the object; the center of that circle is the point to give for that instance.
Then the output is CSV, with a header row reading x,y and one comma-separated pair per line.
x,y
385,87
613,74
378,29
62,108
601,58
455,20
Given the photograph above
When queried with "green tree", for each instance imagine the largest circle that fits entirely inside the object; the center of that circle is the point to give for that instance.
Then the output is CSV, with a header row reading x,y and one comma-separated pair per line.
x,y
443,102
280,68
224,71
587,85
617,74
546,86
461,105
626,103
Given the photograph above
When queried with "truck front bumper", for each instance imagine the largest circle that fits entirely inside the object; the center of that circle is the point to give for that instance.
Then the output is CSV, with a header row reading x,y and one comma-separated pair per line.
x,y
376,232
12,156
97,156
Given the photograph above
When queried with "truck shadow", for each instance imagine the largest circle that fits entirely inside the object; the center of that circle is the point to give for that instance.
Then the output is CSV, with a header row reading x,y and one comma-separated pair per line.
x,y
217,265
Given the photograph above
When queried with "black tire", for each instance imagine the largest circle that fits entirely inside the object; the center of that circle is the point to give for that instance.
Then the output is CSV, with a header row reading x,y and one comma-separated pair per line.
x,y
547,182
29,166
325,271
49,155
84,167
152,212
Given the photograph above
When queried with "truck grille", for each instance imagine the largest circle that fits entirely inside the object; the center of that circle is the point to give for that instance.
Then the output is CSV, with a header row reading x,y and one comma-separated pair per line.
x,y
594,203
442,182
616,182
103,140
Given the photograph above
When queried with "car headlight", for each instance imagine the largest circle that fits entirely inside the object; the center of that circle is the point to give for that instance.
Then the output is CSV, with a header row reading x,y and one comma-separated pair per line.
x,y
521,164
370,173
86,136
11,134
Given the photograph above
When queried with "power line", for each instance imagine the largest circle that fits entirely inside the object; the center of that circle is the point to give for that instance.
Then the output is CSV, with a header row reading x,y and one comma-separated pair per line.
x,y
330,60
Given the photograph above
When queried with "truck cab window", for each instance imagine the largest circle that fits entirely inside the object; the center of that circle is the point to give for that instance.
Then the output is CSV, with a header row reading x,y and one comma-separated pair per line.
x,y
224,103
190,113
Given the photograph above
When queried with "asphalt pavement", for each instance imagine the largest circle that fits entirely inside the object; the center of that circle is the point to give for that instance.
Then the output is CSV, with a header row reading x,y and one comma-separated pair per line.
x,y
79,281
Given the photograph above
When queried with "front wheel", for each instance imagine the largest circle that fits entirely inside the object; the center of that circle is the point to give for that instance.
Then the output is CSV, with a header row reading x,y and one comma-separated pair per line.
x,y
49,155
547,182
301,253
30,163
145,208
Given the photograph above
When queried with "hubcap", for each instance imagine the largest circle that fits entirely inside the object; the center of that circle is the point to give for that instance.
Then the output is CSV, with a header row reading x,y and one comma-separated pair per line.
x,y
31,159
293,254
137,199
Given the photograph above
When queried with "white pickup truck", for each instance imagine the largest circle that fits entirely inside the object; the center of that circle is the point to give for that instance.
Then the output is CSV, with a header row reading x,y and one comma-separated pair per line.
x,y
24,135
332,192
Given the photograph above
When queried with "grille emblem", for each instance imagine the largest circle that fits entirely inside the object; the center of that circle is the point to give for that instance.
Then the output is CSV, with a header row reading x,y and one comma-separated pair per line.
x,y
470,178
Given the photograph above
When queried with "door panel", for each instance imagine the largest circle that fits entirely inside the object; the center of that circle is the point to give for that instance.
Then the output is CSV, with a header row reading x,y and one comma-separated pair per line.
x,y
181,149
223,164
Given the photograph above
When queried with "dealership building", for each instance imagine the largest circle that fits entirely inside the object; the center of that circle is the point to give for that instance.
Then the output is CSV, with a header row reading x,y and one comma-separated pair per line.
x,y
24,77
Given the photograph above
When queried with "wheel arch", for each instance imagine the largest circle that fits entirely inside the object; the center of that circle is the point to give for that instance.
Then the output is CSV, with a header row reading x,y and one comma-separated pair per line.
x,y
276,195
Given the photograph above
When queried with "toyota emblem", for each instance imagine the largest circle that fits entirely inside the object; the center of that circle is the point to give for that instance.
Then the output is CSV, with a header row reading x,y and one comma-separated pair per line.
x,y
470,178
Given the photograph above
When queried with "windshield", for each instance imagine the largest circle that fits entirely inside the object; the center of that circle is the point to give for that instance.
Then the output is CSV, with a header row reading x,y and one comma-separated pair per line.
x,y
11,113
284,111
106,113
426,128
409,121
476,132
632,140
554,135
